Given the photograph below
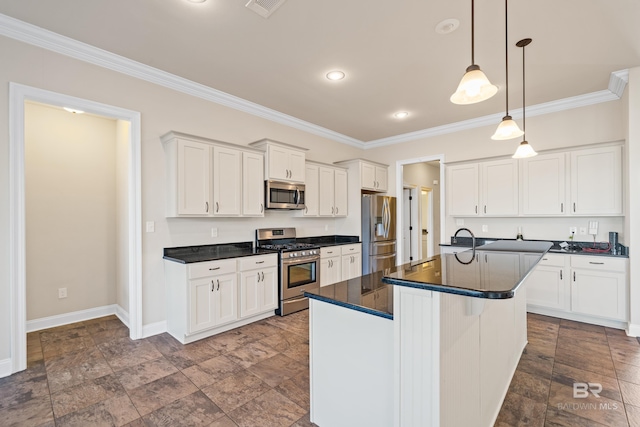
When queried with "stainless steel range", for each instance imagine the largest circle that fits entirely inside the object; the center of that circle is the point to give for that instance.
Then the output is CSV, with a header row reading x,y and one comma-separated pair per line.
x,y
299,266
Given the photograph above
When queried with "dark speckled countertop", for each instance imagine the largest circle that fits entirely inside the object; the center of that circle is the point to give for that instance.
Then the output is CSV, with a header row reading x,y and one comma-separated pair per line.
x,y
329,240
190,254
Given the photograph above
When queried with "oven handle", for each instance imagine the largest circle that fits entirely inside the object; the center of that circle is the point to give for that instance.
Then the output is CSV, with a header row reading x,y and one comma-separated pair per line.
x,y
296,299
300,260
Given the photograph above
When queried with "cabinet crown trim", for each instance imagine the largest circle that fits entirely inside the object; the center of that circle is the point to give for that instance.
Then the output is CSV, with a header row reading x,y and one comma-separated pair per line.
x,y
263,143
346,162
171,135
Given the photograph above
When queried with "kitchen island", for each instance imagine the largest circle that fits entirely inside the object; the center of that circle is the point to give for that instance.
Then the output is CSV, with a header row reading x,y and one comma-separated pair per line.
x,y
433,343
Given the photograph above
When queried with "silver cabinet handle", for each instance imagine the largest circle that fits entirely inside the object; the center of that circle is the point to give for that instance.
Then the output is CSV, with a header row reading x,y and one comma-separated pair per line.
x,y
261,208
476,208
574,276
560,274
214,268
336,210
260,262
332,210
485,208
258,275
596,263
485,257
218,285
574,206
217,207
262,273
213,286
329,252
206,206
306,209
562,207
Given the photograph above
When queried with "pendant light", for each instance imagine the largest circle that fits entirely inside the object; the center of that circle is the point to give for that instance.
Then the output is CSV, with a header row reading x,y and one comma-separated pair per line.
x,y
508,128
524,149
474,86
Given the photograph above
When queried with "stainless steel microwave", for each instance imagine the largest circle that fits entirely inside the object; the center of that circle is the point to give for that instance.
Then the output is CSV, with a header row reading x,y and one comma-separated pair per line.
x,y
284,195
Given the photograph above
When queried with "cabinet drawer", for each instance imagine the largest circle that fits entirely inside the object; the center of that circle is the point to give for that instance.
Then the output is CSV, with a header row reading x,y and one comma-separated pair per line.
x,y
259,261
350,249
212,268
553,260
599,263
330,251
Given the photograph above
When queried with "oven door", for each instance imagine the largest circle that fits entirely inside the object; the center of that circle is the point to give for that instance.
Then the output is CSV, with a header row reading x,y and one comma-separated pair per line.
x,y
300,275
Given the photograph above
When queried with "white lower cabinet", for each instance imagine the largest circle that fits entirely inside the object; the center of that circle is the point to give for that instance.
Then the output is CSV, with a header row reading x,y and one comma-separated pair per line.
x,y
258,285
330,268
338,263
351,261
580,287
206,298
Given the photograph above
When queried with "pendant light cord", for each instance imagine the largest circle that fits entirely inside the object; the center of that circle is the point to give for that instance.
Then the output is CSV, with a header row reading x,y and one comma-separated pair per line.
x,y
472,33
506,57
524,120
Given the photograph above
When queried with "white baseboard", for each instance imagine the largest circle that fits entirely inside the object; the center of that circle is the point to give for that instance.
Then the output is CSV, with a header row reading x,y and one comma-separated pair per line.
x,y
616,324
76,316
154,329
122,315
5,368
633,330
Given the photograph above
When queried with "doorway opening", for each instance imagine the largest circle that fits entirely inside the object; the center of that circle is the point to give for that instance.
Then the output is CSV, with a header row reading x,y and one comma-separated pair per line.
x,y
420,219
20,95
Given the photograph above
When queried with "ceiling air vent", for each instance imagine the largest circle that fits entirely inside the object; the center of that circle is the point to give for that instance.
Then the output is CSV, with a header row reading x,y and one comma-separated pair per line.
x,y
264,8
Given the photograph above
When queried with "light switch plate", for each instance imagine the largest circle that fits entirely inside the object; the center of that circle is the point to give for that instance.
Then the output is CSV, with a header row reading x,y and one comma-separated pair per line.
x,y
151,226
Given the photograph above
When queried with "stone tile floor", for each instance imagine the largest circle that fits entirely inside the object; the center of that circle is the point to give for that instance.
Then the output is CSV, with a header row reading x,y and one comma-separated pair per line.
x,y
91,374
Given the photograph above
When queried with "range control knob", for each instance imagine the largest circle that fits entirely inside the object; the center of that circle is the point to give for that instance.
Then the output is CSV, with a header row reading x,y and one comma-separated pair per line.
x,y
303,253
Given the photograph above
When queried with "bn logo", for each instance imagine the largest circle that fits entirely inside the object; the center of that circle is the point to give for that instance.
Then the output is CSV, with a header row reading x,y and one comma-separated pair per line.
x,y
581,390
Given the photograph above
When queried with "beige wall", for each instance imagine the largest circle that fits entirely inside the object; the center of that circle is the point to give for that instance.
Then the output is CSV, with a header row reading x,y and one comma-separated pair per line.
x,y
70,210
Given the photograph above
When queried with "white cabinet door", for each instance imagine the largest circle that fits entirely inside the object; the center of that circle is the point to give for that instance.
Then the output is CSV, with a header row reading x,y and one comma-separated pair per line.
x,y
599,293
543,185
499,267
326,204
548,284
340,193
368,176
596,181
381,178
252,184
500,188
193,175
351,266
227,189
462,190
311,191
225,302
201,304
296,166
249,293
330,270
278,167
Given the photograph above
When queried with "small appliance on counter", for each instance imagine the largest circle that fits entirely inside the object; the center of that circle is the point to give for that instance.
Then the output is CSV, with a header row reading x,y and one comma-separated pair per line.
x,y
378,233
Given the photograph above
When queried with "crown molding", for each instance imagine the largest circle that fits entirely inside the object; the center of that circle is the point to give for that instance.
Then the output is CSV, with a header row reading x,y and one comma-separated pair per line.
x,y
40,37
532,111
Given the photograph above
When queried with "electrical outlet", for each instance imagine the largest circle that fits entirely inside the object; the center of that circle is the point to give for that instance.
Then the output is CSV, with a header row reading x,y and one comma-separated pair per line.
x,y
62,293
573,230
151,226
583,231
326,227
459,222
214,231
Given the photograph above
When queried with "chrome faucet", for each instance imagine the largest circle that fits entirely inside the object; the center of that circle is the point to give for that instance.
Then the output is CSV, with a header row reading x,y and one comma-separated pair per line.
x,y
473,237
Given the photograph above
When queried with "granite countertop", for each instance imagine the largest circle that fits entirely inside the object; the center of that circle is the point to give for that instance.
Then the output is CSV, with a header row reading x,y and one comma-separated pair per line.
x,y
335,240
576,248
191,254
366,294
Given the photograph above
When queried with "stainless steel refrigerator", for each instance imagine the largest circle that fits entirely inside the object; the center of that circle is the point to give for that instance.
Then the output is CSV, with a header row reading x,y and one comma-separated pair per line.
x,y
378,233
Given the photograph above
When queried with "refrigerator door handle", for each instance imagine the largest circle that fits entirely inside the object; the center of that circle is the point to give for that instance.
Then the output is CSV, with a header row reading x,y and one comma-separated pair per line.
x,y
388,220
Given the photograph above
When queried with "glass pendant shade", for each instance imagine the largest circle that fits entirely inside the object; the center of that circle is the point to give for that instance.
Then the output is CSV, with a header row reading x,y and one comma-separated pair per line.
x,y
524,150
474,87
507,129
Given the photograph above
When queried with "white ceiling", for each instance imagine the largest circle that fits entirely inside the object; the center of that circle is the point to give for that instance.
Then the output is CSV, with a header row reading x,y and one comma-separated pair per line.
x,y
392,55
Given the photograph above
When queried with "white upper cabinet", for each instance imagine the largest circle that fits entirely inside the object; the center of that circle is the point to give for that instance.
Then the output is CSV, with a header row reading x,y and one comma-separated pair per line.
x,y
325,191
500,188
227,178
596,181
311,190
284,162
462,193
208,178
191,173
374,177
543,185
252,184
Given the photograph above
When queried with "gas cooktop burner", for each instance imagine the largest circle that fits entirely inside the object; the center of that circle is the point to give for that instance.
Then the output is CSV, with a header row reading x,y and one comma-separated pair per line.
x,y
289,246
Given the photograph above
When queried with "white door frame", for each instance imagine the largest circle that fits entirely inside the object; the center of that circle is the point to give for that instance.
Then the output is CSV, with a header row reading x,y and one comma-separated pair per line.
x,y
400,185
18,94
430,248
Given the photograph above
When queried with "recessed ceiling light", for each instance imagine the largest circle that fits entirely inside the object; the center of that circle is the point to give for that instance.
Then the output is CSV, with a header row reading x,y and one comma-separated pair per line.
x,y
335,75
401,115
447,26
73,110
